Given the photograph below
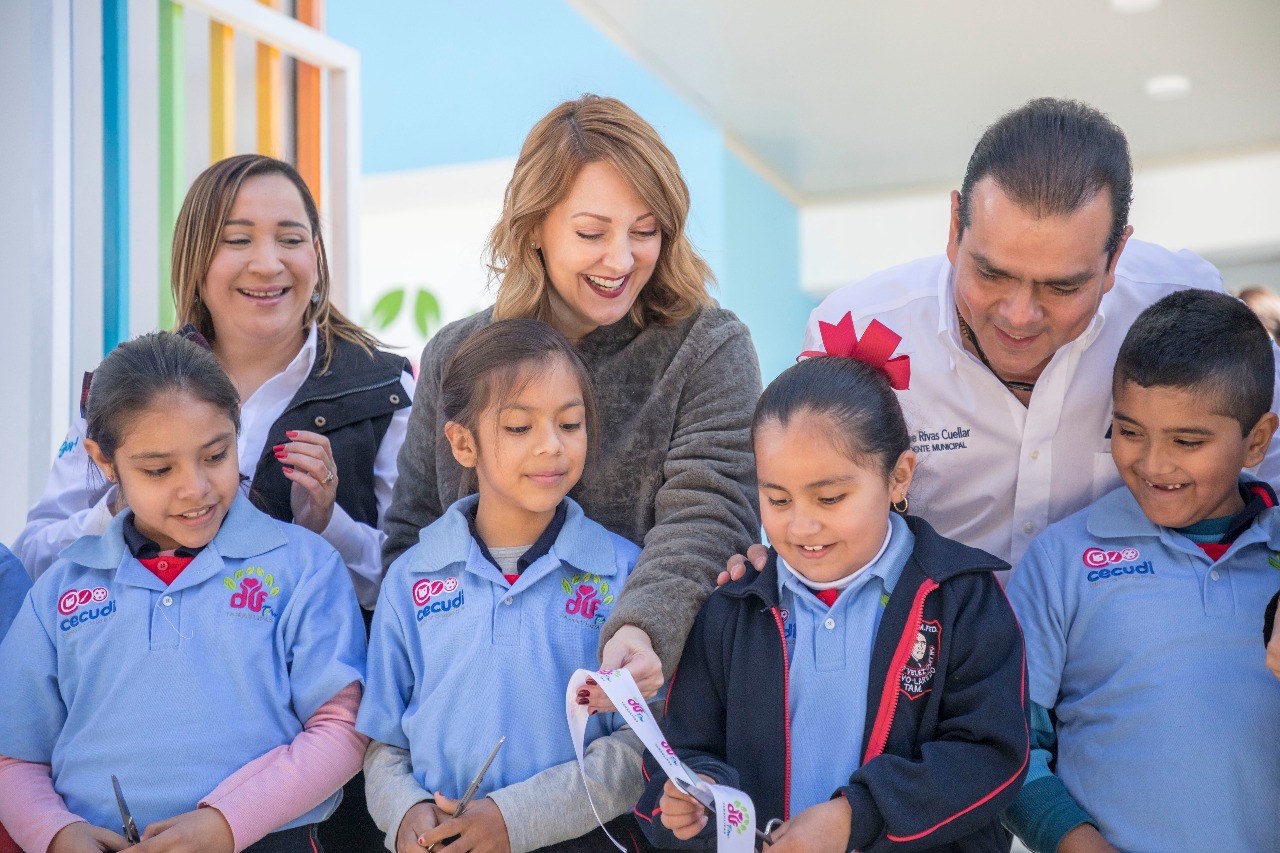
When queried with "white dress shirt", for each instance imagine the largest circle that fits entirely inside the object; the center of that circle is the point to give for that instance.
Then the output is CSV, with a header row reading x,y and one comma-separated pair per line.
x,y
993,473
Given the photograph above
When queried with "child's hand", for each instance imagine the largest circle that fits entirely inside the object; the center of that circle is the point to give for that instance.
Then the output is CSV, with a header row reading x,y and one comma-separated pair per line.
x,y
481,828
681,813
736,566
631,649
200,831
823,828
417,822
81,837
307,461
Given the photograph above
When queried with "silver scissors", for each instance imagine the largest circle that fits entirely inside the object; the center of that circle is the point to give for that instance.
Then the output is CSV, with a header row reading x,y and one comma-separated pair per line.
x,y
471,789
709,803
126,817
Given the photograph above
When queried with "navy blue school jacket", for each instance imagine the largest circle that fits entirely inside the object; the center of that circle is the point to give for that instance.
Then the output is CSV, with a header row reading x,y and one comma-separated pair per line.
x,y
941,758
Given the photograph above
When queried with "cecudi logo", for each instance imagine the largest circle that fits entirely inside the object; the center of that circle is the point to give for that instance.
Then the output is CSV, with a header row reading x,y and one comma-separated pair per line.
x,y
1097,558
73,599
81,606
433,596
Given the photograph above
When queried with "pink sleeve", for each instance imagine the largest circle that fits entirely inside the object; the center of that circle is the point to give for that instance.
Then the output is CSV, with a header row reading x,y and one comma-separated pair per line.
x,y
290,780
30,809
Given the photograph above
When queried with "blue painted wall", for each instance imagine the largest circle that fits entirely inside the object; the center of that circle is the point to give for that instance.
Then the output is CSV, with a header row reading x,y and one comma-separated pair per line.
x,y
448,82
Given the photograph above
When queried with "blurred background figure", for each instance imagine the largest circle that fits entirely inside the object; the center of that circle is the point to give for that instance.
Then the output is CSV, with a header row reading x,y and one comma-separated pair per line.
x,y
1266,304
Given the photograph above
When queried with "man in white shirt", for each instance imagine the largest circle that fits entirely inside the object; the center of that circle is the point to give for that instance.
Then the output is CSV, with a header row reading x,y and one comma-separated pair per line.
x,y
1013,334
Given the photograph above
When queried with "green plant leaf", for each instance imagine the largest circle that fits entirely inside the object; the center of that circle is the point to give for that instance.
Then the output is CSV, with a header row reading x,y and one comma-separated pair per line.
x,y
387,308
564,584
229,584
426,311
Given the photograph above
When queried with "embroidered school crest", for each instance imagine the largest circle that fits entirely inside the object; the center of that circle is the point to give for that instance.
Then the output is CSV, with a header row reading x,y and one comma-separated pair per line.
x,y
586,594
922,663
252,588
434,597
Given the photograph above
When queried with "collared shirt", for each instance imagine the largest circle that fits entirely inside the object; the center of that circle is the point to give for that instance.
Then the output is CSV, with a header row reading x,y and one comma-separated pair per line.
x,y
77,499
459,657
258,632
993,473
534,551
1149,652
829,661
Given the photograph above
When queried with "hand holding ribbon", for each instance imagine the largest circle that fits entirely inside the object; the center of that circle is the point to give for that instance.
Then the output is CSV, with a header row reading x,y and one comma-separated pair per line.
x,y
877,345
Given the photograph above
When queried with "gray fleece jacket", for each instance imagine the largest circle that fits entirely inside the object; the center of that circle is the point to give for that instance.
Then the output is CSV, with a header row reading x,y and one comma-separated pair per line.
x,y
673,470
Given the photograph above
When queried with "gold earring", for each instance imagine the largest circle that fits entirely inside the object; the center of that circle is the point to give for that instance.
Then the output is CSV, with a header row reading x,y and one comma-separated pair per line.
x,y
534,245
901,510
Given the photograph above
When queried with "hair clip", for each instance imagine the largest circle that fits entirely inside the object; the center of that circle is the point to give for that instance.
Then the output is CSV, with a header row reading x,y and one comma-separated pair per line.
x,y
191,333
875,348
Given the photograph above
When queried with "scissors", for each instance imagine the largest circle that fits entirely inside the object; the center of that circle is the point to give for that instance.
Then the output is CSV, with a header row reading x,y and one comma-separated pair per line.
x,y
126,818
708,802
471,790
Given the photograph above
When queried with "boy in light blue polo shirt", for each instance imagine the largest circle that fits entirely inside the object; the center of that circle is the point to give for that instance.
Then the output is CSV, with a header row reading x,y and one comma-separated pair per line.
x,y
1142,612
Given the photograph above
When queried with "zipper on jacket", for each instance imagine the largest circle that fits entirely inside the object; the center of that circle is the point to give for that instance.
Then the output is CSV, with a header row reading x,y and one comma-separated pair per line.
x,y
889,695
786,713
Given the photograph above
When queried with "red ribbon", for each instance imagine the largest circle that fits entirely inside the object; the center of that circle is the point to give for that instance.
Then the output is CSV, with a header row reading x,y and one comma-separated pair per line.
x,y
877,345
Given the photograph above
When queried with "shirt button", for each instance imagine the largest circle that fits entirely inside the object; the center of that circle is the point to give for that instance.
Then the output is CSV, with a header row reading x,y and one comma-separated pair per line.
x,y
395,399
830,623
1214,574
1029,527
1035,454
507,600
168,600
320,421
162,565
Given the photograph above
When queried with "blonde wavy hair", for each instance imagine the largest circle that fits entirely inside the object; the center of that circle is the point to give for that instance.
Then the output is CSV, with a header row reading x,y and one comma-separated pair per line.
x,y
592,129
198,232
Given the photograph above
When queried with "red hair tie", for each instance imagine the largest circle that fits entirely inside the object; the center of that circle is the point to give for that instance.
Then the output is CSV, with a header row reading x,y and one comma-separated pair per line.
x,y
875,348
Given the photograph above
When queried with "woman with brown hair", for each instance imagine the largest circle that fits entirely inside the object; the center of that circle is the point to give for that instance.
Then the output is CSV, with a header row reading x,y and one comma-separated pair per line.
x,y
324,410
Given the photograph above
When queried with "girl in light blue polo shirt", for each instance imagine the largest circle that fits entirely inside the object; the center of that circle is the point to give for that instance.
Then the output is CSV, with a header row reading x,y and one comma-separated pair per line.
x,y
480,625
205,654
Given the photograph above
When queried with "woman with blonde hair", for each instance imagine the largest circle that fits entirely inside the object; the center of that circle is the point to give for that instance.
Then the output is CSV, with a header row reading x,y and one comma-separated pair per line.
x,y
592,240
323,410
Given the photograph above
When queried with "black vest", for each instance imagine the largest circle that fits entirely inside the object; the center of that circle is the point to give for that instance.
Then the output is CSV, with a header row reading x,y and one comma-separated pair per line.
x,y
350,403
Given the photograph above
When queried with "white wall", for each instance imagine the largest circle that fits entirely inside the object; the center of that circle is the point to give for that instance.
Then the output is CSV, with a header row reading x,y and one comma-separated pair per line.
x,y
1223,208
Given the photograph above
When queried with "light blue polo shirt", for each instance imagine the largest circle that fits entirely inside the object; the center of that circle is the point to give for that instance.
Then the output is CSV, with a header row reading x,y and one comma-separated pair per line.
x,y
14,583
458,657
173,689
829,657
1152,657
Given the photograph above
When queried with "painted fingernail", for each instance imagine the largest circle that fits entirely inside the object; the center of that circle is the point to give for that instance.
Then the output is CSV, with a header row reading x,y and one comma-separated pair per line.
x,y
591,681
583,700
583,694
286,469
278,448
280,454
293,433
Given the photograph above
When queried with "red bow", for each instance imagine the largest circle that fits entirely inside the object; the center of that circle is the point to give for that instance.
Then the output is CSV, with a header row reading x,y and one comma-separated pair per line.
x,y
875,348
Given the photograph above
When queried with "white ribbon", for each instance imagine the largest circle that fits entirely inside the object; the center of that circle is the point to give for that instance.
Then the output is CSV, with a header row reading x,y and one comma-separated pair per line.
x,y
735,813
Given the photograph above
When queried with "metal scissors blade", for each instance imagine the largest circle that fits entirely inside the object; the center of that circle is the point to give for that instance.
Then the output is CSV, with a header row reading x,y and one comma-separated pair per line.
x,y
126,818
475,783
708,802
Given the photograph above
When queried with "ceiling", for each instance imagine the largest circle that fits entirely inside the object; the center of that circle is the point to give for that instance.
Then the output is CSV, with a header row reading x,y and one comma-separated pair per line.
x,y
852,98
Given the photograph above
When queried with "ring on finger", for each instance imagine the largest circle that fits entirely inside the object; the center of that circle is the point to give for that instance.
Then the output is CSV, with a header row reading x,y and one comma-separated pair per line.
x,y
329,475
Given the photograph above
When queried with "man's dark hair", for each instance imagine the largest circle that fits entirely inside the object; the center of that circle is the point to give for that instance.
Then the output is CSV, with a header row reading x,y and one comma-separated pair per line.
x,y
1051,157
1206,341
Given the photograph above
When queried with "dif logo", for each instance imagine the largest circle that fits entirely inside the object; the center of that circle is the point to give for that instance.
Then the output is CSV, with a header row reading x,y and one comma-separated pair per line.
x,y
88,602
431,596
1097,558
